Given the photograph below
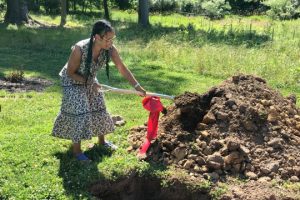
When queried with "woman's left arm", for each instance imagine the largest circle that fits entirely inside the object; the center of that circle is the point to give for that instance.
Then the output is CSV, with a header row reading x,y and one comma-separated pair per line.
x,y
126,73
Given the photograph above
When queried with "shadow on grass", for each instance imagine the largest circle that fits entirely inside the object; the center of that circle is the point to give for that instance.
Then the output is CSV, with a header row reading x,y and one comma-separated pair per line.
x,y
78,175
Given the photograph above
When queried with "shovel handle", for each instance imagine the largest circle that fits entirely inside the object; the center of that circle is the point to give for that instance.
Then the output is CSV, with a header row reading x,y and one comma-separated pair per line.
x,y
106,88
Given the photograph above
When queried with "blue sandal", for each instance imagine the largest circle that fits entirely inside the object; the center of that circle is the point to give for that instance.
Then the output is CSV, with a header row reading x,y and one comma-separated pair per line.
x,y
82,157
110,145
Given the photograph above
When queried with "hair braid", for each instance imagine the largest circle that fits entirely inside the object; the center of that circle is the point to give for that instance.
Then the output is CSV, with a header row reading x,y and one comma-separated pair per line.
x,y
89,58
101,27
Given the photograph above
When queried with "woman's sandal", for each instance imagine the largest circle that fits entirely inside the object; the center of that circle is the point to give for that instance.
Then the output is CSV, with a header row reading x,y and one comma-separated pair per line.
x,y
82,157
110,145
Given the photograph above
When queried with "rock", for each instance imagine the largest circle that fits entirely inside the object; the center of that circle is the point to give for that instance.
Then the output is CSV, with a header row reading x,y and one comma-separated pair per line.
x,y
179,153
120,123
298,127
230,103
197,168
222,116
129,149
168,144
273,115
296,170
244,150
188,164
118,120
200,161
233,144
209,118
251,175
264,179
273,166
215,161
265,170
201,126
211,176
205,134
215,144
207,151
192,156
294,179
266,102
234,157
276,143
249,125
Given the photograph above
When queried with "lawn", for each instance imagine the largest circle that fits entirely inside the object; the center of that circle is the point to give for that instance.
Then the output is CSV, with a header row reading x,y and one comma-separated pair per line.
x,y
176,54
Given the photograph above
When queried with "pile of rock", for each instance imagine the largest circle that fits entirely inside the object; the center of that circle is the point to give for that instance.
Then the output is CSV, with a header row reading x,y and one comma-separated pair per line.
x,y
240,127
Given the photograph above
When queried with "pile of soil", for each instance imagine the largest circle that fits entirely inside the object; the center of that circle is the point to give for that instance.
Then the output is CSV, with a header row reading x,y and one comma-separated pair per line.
x,y
28,84
242,127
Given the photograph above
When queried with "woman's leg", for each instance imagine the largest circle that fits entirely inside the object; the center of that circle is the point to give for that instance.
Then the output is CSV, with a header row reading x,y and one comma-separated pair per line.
x,y
78,152
101,139
77,148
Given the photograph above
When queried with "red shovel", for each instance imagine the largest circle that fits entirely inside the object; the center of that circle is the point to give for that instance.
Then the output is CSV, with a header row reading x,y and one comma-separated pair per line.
x,y
153,105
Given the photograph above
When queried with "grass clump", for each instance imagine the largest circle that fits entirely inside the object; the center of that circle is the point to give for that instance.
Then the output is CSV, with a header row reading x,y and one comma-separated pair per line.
x,y
16,76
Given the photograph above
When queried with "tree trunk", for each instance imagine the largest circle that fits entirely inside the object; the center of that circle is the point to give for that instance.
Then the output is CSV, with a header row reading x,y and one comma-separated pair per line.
x,y
106,11
68,6
17,12
143,13
63,18
74,5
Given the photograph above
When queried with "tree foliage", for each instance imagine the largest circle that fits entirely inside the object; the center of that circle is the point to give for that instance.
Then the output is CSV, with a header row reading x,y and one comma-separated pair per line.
x,y
283,9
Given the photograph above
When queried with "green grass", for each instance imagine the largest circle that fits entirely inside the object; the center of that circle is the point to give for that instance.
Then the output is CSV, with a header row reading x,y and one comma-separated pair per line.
x,y
167,58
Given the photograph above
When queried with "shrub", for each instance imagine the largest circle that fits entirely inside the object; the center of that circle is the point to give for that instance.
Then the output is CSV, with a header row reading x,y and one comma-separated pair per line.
x,y
283,9
215,9
164,5
188,7
243,7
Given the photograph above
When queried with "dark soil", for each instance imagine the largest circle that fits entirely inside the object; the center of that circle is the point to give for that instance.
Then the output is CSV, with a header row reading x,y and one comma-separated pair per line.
x,y
135,187
28,84
240,128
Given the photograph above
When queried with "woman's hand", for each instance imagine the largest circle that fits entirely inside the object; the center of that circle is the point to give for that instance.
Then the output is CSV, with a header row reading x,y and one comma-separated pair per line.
x,y
96,87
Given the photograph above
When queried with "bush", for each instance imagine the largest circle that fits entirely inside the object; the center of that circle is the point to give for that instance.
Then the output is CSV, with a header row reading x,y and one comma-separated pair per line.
x,y
215,9
164,5
244,7
188,7
283,9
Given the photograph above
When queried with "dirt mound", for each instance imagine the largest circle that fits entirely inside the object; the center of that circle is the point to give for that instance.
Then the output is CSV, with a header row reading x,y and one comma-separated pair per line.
x,y
241,127
28,84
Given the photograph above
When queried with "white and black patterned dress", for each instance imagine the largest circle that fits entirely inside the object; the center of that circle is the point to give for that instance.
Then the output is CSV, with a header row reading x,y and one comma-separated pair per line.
x,y
83,112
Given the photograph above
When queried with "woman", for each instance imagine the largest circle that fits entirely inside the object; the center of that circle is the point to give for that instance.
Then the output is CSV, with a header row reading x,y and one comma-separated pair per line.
x,y
83,112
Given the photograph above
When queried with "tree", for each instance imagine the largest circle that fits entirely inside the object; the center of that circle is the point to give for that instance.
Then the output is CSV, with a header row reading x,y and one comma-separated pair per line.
x,y
106,11
143,13
63,18
17,12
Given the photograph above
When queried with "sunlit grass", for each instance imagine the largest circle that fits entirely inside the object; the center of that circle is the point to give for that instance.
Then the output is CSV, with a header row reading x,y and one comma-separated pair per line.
x,y
167,58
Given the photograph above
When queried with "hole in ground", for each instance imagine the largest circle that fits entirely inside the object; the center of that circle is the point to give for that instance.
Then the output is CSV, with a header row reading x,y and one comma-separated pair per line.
x,y
135,187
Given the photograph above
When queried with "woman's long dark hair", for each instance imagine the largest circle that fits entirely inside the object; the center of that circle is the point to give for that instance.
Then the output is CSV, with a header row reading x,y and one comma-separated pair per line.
x,y
101,27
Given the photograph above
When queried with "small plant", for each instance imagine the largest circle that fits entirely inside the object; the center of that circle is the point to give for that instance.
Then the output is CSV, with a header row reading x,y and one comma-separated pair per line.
x,y
16,76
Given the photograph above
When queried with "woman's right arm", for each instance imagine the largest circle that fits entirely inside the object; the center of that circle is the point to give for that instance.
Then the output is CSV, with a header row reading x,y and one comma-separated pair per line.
x,y
74,64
